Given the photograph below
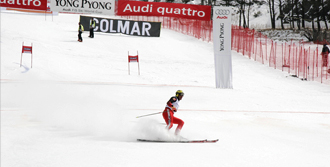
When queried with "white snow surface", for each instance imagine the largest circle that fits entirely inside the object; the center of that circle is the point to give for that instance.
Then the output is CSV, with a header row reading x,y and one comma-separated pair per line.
x,y
77,105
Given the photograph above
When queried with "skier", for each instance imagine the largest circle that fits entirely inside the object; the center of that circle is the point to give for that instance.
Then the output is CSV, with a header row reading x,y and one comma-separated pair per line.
x,y
80,30
168,114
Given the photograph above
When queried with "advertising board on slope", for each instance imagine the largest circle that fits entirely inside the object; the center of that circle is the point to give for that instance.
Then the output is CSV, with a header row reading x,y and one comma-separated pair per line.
x,y
103,7
222,46
25,4
128,27
139,8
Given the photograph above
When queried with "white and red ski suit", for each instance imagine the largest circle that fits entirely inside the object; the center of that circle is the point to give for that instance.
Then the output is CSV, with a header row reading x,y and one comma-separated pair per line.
x,y
168,114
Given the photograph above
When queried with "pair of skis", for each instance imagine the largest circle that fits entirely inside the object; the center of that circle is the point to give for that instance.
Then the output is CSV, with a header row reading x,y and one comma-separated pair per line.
x,y
174,141
179,141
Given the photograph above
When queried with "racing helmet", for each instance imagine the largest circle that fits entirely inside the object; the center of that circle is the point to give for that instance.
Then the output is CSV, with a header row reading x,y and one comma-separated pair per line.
x,y
179,93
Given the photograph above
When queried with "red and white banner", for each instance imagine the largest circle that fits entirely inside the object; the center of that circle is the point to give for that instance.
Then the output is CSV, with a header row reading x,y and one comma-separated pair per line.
x,y
140,8
222,46
25,4
133,58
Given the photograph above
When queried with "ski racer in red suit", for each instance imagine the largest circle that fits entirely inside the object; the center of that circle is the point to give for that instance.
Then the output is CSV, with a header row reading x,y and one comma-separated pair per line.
x,y
168,114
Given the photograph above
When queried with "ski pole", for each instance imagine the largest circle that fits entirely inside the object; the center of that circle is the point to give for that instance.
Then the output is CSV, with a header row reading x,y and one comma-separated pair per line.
x,y
148,114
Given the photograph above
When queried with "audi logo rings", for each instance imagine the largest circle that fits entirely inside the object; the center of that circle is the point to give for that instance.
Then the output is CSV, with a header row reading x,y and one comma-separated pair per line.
x,y
222,12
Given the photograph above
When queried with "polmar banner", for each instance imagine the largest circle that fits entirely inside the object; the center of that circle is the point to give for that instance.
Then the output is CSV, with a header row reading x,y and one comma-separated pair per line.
x,y
128,27
102,7
140,8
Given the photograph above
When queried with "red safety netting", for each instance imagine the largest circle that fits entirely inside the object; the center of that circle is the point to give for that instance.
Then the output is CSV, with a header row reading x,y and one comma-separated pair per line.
x,y
299,59
302,60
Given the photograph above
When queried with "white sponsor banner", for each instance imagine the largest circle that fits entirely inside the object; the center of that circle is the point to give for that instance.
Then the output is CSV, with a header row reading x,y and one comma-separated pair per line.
x,y
102,7
222,46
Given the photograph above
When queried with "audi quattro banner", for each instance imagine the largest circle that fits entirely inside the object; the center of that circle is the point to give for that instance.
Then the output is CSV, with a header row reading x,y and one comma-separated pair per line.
x,y
102,7
140,8
128,27
222,46
25,4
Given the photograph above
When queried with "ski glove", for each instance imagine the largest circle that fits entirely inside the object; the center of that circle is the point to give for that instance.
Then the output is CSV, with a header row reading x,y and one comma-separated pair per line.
x,y
173,109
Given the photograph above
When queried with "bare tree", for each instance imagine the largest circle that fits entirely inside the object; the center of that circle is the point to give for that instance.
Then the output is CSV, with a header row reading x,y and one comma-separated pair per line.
x,y
281,14
228,2
271,5
324,12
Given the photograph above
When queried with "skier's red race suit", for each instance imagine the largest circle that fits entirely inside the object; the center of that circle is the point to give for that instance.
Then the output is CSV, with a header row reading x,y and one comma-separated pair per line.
x,y
168,114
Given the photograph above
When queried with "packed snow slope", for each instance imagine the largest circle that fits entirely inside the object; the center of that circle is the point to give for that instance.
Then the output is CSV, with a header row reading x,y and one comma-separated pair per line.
x,y
77,105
